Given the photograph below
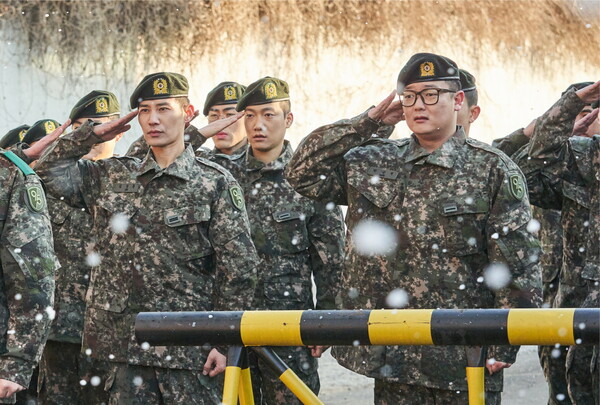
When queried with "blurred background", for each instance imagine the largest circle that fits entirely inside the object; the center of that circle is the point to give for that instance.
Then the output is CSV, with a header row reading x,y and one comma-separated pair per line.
x,y
339,56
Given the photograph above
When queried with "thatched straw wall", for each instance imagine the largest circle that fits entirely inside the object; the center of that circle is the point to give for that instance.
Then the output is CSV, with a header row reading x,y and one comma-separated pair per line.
x,y
338,56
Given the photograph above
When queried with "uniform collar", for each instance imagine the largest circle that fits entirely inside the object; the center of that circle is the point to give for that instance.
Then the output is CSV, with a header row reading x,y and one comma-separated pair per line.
x,y
444,156
181,167
253,163
238,153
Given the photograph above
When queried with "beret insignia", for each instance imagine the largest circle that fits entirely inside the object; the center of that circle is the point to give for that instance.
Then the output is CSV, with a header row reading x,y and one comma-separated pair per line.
x,y
270,90
427,69
229,93
49,126
160,87
101,105
22,134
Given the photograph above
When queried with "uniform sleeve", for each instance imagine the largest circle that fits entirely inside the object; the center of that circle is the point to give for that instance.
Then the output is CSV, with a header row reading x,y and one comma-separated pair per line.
x,y
511,143
236,257
510,243
554,128
326,234
317,168
28,266
139,148
67,176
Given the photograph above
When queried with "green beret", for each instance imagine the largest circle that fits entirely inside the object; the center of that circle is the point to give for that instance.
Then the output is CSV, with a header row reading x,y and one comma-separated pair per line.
x,y
159,85
224,93
264,91
98,103
467,80
14,136
39,130
425,67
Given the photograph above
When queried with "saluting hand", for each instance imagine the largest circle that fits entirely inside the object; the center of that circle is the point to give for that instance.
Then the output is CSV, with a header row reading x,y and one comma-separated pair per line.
x,y
109,130
36,150
590,93
388,111
217,126
581,126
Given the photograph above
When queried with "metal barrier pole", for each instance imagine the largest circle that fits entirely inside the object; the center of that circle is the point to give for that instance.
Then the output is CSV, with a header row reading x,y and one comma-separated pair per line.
x,y
232,375
476,374
287,376
245,388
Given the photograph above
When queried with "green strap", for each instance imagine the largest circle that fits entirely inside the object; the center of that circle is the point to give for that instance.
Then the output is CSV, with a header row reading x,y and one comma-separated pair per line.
x,y
18,162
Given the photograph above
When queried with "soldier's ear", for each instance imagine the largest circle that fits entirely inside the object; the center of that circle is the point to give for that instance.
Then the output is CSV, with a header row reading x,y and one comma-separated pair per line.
x,y
189,113
474,113
289,119
459,99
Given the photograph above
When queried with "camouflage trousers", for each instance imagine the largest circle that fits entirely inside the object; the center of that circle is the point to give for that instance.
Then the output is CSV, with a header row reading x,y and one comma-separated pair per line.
x,y
69,377
579,376
269,390
141,385
392,393
552,360
27,396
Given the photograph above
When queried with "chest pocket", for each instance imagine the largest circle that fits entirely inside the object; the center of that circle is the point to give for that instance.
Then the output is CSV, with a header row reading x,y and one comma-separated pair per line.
x,y
463,220
576,193
58,211
189,230
290,234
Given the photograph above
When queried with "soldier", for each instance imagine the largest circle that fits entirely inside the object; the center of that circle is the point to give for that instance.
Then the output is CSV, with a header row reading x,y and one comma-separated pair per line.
x,y
469,111
296,238
172,235
66,375
428,215
230,143
28,264
570,164
562,209
13,136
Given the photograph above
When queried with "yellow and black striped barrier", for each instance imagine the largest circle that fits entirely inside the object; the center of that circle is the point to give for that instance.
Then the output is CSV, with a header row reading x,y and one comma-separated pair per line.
x,y
469,327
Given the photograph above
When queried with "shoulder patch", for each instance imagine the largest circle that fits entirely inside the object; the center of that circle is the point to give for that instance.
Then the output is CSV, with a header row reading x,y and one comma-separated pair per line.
x,y
237,197
516,186
36,200
485,147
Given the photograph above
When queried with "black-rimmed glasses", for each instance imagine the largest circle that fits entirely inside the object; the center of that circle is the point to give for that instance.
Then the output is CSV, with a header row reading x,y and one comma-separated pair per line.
x,y
428,96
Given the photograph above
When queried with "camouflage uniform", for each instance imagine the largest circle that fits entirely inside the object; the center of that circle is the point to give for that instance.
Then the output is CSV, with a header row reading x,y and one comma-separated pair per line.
x,y
173,239
574,164
552,359
63,365
296,238
139,149
453,212
28,264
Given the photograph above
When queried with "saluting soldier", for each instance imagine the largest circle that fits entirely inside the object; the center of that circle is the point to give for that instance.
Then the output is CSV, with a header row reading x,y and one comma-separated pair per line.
x,y
470,110
28,264
67,376
296,238
564,155
445,207
231,142
172,235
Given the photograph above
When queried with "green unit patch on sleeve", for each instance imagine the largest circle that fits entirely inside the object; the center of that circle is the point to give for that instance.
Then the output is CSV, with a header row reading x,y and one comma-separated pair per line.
x,y
237,197
516,186
36,200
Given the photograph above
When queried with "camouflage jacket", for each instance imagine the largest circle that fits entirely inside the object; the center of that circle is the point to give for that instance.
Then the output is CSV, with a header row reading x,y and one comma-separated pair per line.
x,y
73,240
295,237
173,239
576,162
140,148
551,228
28,265
452,213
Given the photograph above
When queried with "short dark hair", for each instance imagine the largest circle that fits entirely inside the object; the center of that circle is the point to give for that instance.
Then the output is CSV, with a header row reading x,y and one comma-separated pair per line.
x,y
184,102
472,97
286,106
453,85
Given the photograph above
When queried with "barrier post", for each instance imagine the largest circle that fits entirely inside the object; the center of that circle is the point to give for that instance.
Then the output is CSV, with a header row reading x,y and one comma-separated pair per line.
x,y
232,375
245,389
287,376
476,356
